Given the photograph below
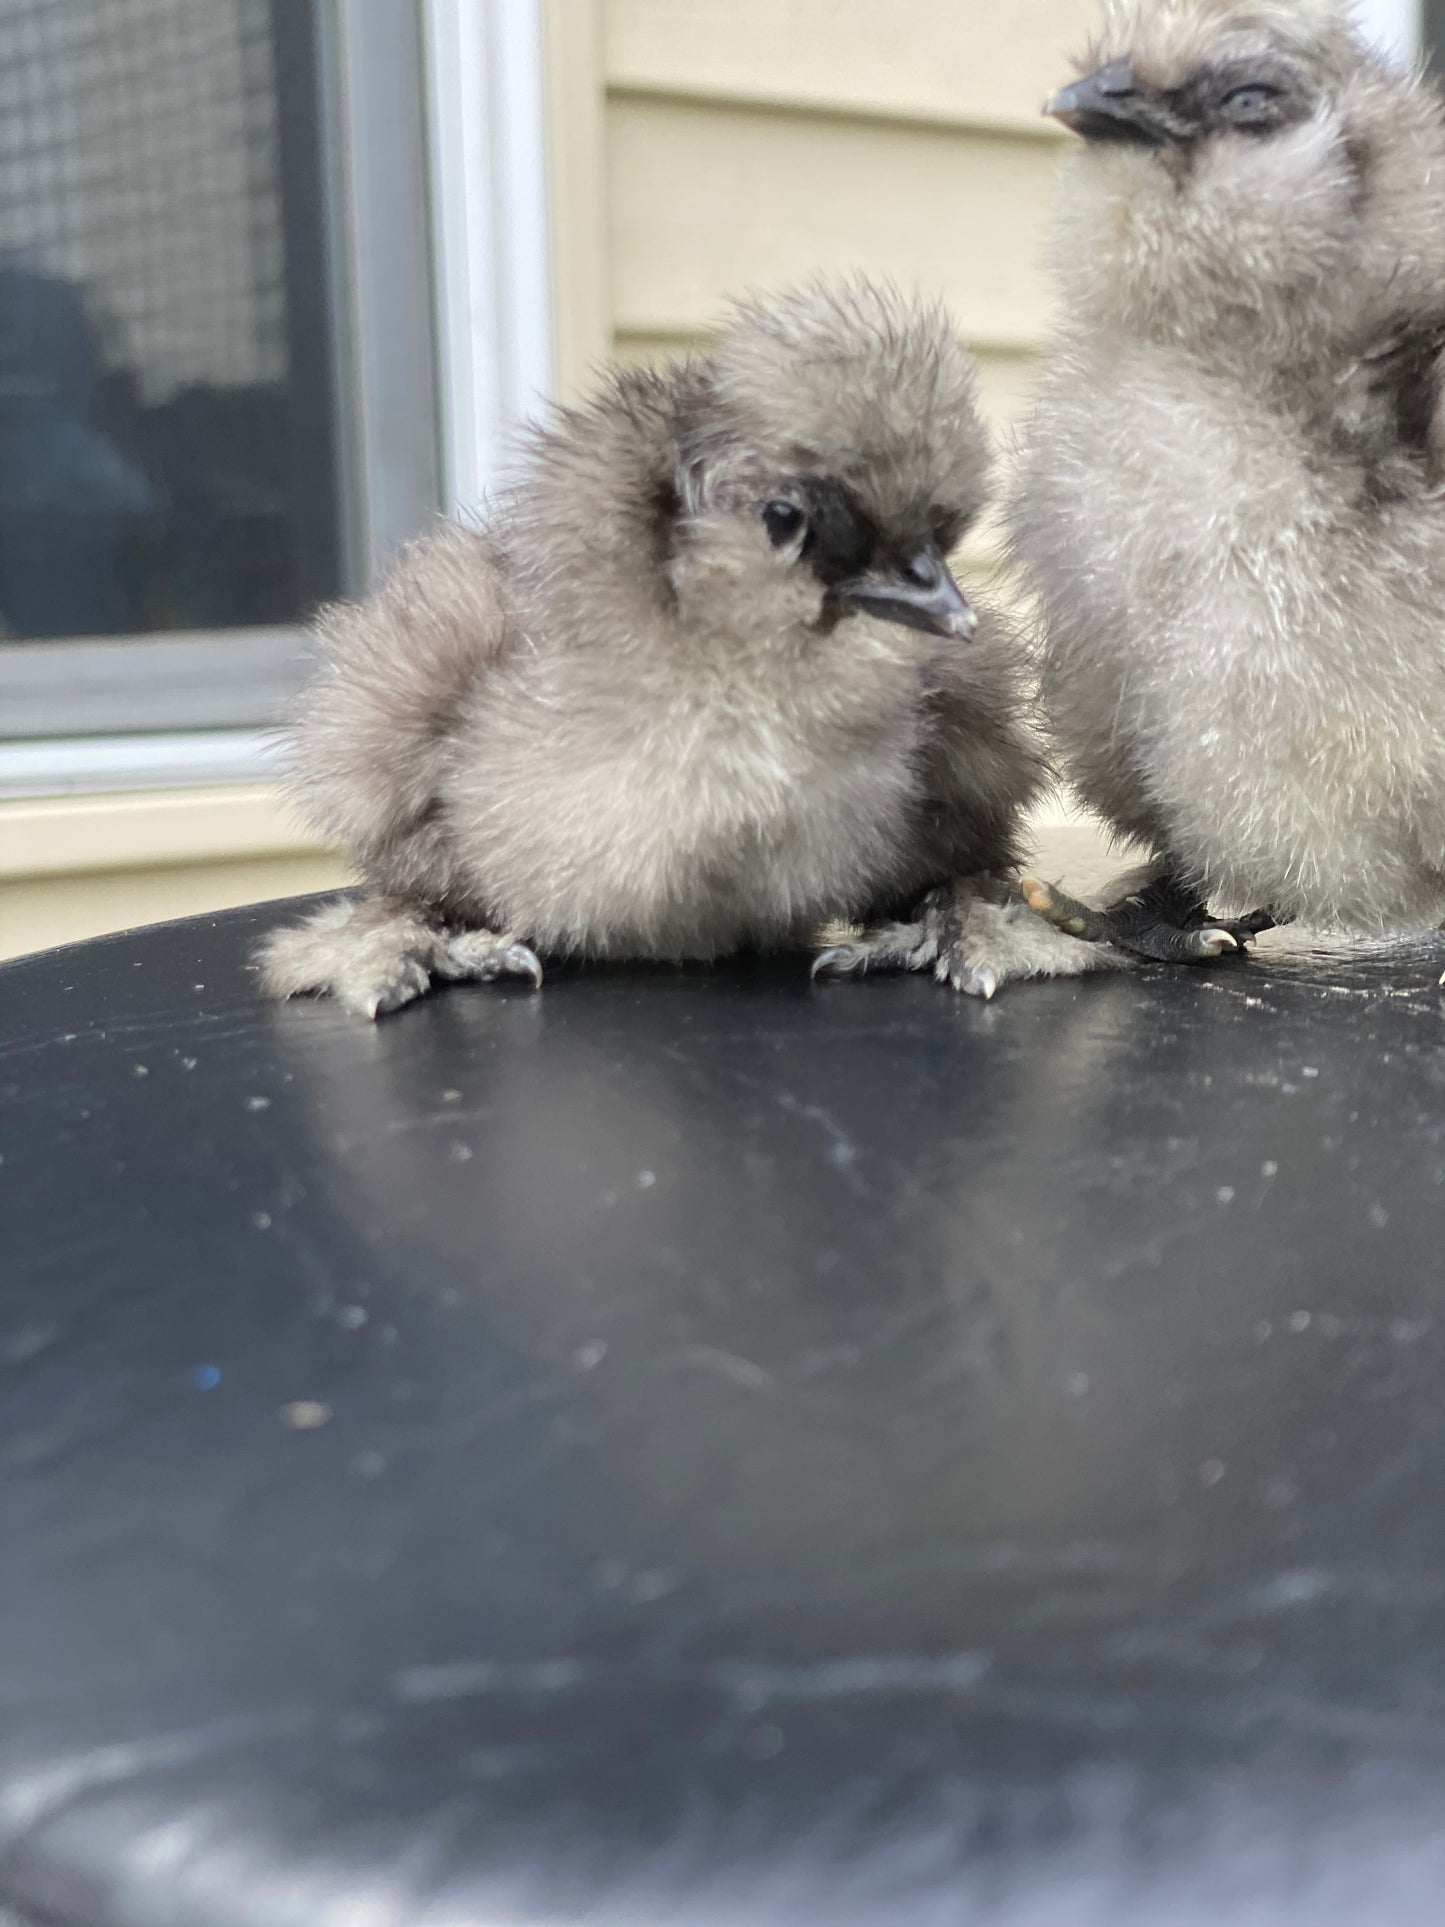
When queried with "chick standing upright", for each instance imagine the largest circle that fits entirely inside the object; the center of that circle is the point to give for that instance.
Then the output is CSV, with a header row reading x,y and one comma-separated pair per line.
x,y
703,681
1231,500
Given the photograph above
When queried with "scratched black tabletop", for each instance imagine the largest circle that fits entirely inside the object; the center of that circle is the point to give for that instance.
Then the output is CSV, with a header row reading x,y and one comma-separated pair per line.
x,y
697,1446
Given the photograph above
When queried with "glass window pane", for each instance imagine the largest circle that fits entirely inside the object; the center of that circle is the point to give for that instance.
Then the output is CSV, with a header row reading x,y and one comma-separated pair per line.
x,y
167,446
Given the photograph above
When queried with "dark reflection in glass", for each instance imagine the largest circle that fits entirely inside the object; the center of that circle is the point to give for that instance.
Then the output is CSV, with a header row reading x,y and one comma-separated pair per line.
x,y
166,442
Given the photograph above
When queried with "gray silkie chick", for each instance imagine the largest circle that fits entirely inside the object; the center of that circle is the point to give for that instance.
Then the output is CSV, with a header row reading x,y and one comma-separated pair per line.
x,y
1231,501
702,682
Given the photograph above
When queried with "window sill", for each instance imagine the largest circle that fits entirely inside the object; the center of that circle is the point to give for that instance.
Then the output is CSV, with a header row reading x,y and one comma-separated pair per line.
x,y
82,767
76,867
69,835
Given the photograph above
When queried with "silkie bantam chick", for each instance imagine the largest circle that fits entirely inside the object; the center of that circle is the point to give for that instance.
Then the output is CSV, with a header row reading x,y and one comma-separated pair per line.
x,y
702,682
1232,500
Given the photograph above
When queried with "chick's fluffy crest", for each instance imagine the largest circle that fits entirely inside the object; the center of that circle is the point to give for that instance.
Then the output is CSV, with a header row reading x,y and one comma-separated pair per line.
x,y
856,381
1166,39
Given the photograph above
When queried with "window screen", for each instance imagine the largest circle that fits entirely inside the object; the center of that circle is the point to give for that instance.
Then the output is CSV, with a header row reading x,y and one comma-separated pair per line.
x,y
167,452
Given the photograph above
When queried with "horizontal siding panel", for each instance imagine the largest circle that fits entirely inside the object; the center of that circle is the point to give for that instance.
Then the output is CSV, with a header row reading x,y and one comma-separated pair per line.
x,y
638,351
990,65
1006,386
43,911
708,200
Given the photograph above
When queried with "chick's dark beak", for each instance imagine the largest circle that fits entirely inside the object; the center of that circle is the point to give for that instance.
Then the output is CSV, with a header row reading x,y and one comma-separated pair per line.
x,y
1109,106
921,594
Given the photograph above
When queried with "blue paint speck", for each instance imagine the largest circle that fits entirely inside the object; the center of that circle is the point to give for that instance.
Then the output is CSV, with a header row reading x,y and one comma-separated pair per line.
x,y
206,1378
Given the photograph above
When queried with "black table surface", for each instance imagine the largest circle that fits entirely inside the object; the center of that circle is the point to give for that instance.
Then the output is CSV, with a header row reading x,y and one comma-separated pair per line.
x,y
700,1447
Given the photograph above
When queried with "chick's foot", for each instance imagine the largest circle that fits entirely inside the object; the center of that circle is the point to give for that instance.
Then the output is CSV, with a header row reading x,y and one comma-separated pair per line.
x,y
376,954
973,935
1160,922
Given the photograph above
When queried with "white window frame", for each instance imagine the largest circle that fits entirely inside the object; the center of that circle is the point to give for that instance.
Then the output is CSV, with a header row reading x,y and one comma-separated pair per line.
x,y
492,251
443,343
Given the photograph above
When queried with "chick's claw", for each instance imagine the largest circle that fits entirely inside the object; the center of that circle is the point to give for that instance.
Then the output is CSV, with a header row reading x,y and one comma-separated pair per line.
x,y
482,956
841,960
884,946
972,979
1252,926
373,998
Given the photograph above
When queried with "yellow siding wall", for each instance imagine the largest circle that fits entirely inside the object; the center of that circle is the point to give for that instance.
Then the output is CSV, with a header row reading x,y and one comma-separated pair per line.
x,y
75,867
731,144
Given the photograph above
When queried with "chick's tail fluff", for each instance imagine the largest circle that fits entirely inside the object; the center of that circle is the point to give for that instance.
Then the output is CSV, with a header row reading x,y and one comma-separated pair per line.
x,y
369,739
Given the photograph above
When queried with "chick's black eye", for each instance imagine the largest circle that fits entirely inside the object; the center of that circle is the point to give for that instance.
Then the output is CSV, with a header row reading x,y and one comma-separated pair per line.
x,y
783,522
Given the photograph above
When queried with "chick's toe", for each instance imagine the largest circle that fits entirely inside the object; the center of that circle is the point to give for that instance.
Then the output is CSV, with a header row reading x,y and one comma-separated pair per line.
x,y
482,956
1154,923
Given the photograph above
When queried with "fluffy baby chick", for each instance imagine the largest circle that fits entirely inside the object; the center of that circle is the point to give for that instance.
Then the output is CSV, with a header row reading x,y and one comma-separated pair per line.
x,y
1231,499
704,681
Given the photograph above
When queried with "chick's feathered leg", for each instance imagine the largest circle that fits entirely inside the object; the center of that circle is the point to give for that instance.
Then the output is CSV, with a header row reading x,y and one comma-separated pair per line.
x,y
374,954
1152,916
974,935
